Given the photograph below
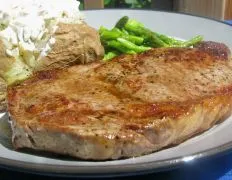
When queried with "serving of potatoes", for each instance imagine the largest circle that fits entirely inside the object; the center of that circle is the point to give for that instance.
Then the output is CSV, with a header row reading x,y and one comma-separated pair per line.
x,y
75,43
38,35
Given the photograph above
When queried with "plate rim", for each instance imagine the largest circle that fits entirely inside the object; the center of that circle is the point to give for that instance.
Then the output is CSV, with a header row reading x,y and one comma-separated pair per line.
x,y
109,170
121,170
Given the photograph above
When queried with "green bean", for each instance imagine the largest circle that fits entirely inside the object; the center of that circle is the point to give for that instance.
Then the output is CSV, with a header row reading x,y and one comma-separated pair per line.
x,y
125,31
121,22
195,40
118,46
168,40
149,37
130,36
110,55
116,33
102,29
132,46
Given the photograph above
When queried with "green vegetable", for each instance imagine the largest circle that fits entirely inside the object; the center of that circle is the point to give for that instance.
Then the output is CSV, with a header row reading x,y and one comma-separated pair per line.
x,y
191,42
109,35
130,45
118,46
110,55
130,36
150,37
124,31
168,40
116,33
102,29
121,23
134,39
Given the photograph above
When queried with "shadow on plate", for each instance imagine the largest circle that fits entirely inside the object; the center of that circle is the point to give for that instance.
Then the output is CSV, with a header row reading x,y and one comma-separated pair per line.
x,y
5,131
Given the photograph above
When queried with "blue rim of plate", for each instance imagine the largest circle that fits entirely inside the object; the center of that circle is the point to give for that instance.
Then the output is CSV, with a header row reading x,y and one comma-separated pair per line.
x,y
118,170
113,170
229,22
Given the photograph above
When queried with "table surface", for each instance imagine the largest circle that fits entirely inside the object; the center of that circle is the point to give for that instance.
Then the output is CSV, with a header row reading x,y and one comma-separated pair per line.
x,y
219,168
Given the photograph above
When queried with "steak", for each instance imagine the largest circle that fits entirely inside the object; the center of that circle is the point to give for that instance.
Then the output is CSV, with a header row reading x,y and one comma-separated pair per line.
x,y
130,106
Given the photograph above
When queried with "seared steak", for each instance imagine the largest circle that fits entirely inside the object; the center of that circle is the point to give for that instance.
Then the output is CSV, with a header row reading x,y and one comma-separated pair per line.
x,y
133,105
219,50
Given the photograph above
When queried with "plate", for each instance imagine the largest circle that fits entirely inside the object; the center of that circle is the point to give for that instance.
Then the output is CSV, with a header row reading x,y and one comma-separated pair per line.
x,y
217,140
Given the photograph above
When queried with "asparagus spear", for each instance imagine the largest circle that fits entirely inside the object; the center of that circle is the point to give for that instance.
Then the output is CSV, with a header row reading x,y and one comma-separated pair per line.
x,y
132,46
169,40
154,39
191,42
110,55
149,37
121,22
118,46
116,33
131,36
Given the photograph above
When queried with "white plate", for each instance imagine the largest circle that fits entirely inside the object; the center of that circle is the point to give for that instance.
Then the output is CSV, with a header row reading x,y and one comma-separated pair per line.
x,y
216,140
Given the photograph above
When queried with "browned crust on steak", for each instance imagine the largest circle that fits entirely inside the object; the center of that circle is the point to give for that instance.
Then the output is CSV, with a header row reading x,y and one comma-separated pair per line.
x,y
219,50
131,106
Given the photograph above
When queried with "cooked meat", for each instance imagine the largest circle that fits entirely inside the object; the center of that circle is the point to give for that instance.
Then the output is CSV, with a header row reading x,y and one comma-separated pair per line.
x,y
75,44
219,50
133,105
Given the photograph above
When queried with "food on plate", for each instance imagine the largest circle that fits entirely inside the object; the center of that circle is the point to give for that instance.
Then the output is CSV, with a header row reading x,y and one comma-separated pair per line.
x,y
130,36
40,34
37,35
219,50
76,43
130,106
3,92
